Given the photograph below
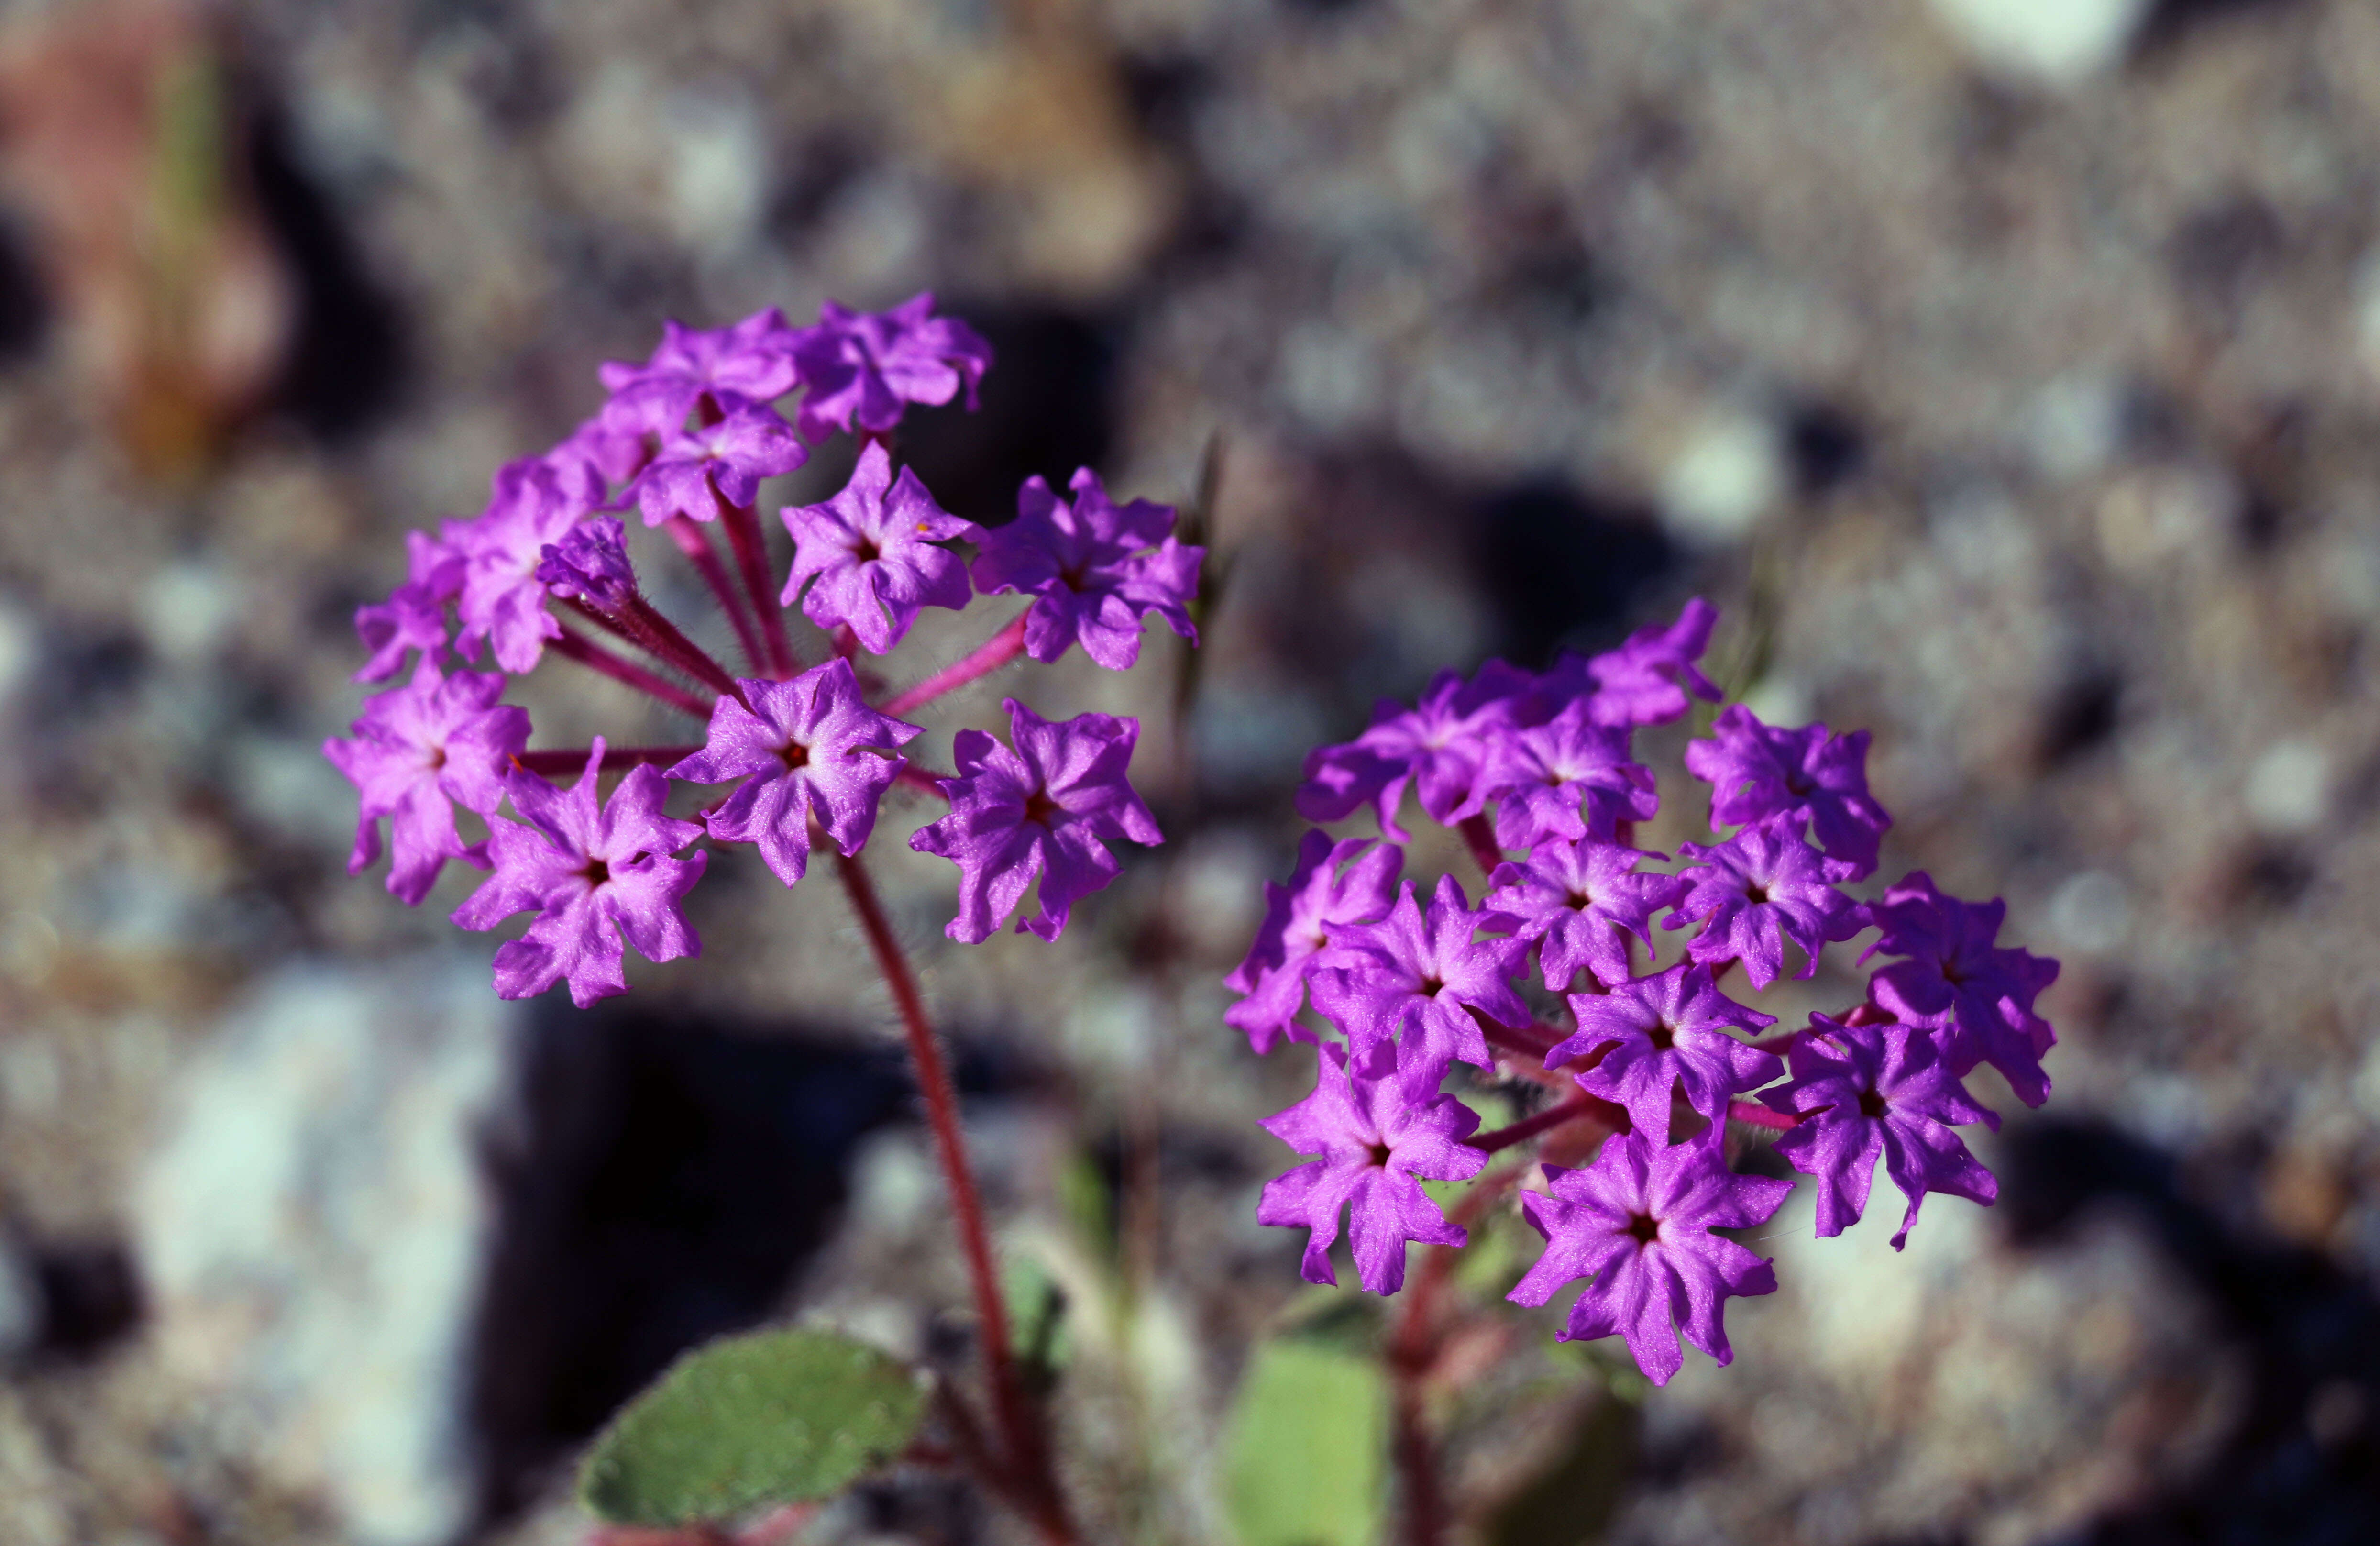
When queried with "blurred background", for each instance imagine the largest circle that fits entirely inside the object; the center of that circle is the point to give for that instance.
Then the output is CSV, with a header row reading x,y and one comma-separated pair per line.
x,y
2004,367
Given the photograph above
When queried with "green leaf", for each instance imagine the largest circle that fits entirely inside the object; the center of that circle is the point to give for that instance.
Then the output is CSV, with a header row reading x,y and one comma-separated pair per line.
x,y
1305,1461
766,1418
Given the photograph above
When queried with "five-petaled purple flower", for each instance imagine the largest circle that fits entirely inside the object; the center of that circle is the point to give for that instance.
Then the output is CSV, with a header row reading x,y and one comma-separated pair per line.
x,y
1094,568
1041,809
1579,902
1864,1088
418,751
503,602
1959,984
860,370
1425,969
1334,885
414,616
1656,1033
1443,745
591,873
809,749
1788,777
1377,1121
1638,1220
1648,681
1755,891
871,550
1540,775
729,457
752,361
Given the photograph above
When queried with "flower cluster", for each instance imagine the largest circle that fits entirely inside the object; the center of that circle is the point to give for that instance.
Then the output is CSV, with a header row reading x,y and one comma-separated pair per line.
x,y
795,754
1538,774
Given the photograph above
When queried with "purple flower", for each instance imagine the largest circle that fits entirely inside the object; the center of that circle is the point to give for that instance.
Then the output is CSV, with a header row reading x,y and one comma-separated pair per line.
x,y
1538,775
590,875
1444,745
1377,1121
1579,901
1755,891
859,369
808,751
503,602
729,457
1041,809
1638,1220
1426,969
752,361
1094,568
1786,777
1658,1032
1330,889
871,550
590,564
414,616
1959,984
1646,679
1861,1088
417,752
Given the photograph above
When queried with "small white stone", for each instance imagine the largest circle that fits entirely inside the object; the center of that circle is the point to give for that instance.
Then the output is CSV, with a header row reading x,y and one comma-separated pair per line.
x,y
20,651
1725,477
2092,912
2288,791
2077,427
189,611
2059,41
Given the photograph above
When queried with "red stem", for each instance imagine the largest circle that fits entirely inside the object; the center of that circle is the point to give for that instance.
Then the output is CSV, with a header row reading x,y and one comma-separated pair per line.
x,y
925,779
1020,1427
1754,1114
571,759
987,657
587,652
662,637
1482,840
1546,1121
693,542
1534,1040
1413,1348
751,550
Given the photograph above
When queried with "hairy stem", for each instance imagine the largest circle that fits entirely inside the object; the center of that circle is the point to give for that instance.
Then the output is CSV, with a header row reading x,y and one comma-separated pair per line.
x,y
1027,1455
571,759
1481,839
587,652
1752,1113
1413,1349
987,657
693,542
751,550
1534,1040
1577,1106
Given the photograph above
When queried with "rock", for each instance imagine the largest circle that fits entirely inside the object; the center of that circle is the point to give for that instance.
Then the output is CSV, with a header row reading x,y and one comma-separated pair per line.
x,y
311,1231
2059,41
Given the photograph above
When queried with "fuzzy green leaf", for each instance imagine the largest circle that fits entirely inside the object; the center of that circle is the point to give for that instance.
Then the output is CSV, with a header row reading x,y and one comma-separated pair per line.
x,y
1307,1459
766,1418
